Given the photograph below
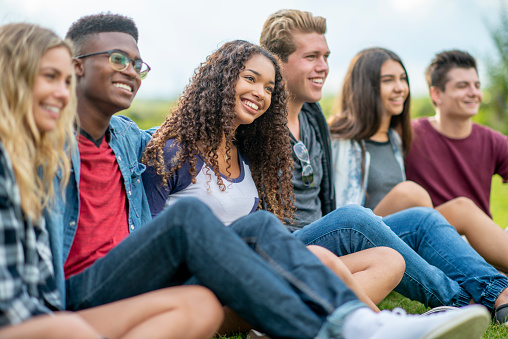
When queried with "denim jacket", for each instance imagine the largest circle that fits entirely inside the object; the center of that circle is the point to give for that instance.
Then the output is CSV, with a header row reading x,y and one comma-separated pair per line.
x,y
128,143
350,186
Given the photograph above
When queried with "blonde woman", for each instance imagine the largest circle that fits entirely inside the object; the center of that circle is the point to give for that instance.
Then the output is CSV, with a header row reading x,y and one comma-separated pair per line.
x,y
37,110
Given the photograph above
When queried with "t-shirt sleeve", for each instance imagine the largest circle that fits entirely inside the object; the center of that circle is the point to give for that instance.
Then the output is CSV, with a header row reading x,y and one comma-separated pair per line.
x,y
502,156
156,192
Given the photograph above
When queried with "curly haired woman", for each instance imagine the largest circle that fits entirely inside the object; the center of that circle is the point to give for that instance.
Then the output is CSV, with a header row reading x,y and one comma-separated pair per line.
x,y
228,136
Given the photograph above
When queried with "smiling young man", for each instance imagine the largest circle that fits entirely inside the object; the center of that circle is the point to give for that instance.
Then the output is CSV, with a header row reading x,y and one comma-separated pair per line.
x,y
421,235
451,156
454,158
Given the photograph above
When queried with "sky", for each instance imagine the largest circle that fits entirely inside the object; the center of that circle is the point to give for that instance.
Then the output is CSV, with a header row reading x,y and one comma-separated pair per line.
x,y
176,36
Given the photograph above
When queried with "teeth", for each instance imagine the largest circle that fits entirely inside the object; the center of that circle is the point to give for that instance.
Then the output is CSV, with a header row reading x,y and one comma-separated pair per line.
x,y
51,108
251,104
317,80
123,86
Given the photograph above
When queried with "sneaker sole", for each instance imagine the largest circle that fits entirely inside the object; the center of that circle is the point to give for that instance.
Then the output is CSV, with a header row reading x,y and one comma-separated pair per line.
x,y
471,324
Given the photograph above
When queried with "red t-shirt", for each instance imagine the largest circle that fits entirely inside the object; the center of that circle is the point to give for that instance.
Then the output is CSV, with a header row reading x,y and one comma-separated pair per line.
x,y
449,168
103,216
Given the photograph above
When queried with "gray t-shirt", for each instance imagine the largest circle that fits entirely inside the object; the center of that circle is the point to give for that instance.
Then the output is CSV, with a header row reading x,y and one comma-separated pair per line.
x,y
308,204
384,172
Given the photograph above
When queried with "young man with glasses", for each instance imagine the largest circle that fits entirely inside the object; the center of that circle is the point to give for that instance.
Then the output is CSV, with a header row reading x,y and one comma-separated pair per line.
x,y
441,269
105,201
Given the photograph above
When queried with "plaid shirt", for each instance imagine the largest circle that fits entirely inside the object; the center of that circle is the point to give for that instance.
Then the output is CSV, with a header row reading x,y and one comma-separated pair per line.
x,y
27,284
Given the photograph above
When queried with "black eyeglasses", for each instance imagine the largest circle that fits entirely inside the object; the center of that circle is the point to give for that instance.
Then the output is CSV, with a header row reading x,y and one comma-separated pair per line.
x,y
119,61
302,154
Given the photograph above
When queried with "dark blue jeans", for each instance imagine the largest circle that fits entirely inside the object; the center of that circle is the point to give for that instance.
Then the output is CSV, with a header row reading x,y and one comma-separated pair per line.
x,y
255,266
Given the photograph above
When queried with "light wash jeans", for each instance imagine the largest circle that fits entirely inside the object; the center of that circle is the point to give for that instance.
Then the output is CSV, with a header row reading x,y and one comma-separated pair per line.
x,y
255,266
441,268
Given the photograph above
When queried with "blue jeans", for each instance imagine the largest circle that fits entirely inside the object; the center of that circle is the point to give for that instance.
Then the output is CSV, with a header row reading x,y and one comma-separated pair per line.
x,y
428,233
441,268
353,228
255,266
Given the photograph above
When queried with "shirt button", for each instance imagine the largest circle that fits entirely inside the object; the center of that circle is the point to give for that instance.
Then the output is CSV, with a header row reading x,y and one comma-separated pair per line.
x,y
72,223
119,158
132,227
138,181
130,193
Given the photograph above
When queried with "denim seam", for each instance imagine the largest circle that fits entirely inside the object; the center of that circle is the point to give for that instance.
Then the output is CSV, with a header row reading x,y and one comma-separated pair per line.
x,y
293,280
492,291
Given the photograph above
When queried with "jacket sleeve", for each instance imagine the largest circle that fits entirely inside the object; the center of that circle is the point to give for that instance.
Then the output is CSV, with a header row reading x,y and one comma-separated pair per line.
x,y
16,305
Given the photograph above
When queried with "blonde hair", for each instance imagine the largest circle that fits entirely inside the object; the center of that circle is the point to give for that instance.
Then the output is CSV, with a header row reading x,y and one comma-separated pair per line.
x,y
277,33
37,157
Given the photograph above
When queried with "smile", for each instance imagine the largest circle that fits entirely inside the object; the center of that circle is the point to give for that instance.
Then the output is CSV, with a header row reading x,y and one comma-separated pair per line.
x,y
319,81
123,86
397,100
53,109
250,104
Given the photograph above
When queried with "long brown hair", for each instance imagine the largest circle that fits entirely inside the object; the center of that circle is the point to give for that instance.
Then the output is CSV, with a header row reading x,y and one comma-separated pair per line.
x,y
359,110
204,116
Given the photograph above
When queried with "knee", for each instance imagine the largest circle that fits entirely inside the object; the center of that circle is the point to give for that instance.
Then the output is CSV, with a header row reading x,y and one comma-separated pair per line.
x,y
462,204
325,256
355,216
332,261
200,296
412,193
189,214
69,325
260,222
202,304
392,260
189,205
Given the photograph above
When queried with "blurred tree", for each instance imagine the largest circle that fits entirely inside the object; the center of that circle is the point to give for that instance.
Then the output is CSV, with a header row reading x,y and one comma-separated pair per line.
x,y
421,107
494,112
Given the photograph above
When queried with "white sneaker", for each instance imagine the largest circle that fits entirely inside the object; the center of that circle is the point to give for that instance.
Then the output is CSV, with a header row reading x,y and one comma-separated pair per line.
x,y
469,322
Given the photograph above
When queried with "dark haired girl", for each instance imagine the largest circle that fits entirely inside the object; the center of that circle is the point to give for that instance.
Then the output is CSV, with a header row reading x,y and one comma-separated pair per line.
x,y
226,142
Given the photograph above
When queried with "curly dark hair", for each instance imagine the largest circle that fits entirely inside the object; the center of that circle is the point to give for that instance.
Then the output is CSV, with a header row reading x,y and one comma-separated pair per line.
x,y
205,114
90,25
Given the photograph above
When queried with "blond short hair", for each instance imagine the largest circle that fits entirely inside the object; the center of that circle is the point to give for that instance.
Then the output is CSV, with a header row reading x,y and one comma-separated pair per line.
x,y
278,29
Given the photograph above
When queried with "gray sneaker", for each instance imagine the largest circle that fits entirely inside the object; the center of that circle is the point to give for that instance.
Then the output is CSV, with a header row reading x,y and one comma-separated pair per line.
x,y
253,334
441,309
501,314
